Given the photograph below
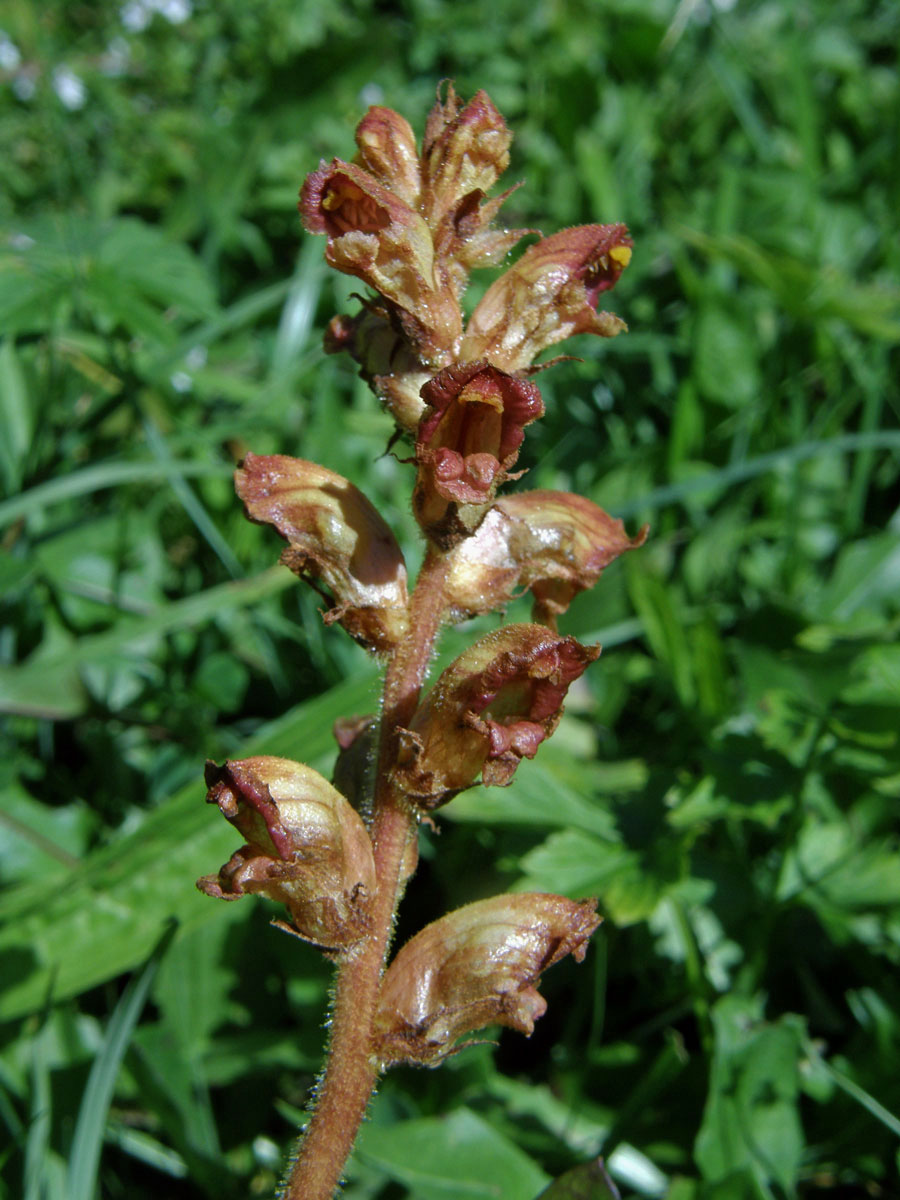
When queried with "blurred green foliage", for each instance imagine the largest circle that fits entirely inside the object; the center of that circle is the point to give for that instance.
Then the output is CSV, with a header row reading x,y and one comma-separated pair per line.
x,y
727,779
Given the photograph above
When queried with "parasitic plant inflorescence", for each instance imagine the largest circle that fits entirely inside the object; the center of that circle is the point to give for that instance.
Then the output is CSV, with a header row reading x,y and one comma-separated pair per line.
x,y
411,224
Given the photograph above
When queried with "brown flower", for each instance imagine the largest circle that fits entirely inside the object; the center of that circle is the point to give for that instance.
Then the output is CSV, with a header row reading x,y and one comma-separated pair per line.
x,y
555,543
306,847
386,358
550,294
387,150
478,966
335,535
376,236
468,439
490,709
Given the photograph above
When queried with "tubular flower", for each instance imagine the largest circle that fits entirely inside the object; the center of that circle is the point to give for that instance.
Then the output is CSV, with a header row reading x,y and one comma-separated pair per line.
x,y
374,235
336,535
490,709
468,439
554,543
550,294
306,847
478,966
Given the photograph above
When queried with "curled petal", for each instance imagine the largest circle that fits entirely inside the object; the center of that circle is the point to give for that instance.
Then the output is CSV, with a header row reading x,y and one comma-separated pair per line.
x,y
387,149
554,543
478,966
335,535
490,709
468,439
305,847
550,294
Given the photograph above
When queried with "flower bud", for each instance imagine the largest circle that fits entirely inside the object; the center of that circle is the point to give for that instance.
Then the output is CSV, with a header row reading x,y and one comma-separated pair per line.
x,y
387,150
463,151
468,439
478,966
555,543
490,709
548,295
336,535
306,847
354,768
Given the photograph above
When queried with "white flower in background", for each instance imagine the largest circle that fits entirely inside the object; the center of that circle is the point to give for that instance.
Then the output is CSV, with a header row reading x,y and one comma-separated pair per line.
x,y
69,88
118,55
175,11
181,381
195,358
371,93
136,15
9,53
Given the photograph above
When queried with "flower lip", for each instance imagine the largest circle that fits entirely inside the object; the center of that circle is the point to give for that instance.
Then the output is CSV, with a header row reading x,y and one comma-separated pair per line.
x,y
347,207
471,432
248,806
548,295
491,708
341,198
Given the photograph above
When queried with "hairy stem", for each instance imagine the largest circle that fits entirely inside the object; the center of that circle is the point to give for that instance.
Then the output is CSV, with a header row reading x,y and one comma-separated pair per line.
x,y
350,1072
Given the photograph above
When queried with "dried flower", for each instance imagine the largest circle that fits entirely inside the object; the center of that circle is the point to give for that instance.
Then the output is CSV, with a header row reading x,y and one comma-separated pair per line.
x,y
478,966
555,543
306,847
468,439
550,294
490,709
386,359
336,535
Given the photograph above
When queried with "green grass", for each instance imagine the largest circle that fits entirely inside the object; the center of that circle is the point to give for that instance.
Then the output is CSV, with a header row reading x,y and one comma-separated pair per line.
x,y
726,780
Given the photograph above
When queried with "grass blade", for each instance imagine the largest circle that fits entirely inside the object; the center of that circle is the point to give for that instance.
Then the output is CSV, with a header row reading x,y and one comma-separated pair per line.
x,y
88,1138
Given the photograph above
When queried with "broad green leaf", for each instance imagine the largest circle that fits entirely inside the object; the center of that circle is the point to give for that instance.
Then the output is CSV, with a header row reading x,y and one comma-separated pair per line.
x,y
726,366
455,1157
579,864
105,916
49,685
751,1121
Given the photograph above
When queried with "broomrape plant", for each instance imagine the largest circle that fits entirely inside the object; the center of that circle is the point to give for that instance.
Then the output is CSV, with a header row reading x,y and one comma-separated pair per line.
x,y
411,225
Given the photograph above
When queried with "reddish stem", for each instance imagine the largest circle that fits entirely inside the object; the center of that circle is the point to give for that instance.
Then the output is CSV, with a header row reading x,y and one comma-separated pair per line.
x,y
350,1072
